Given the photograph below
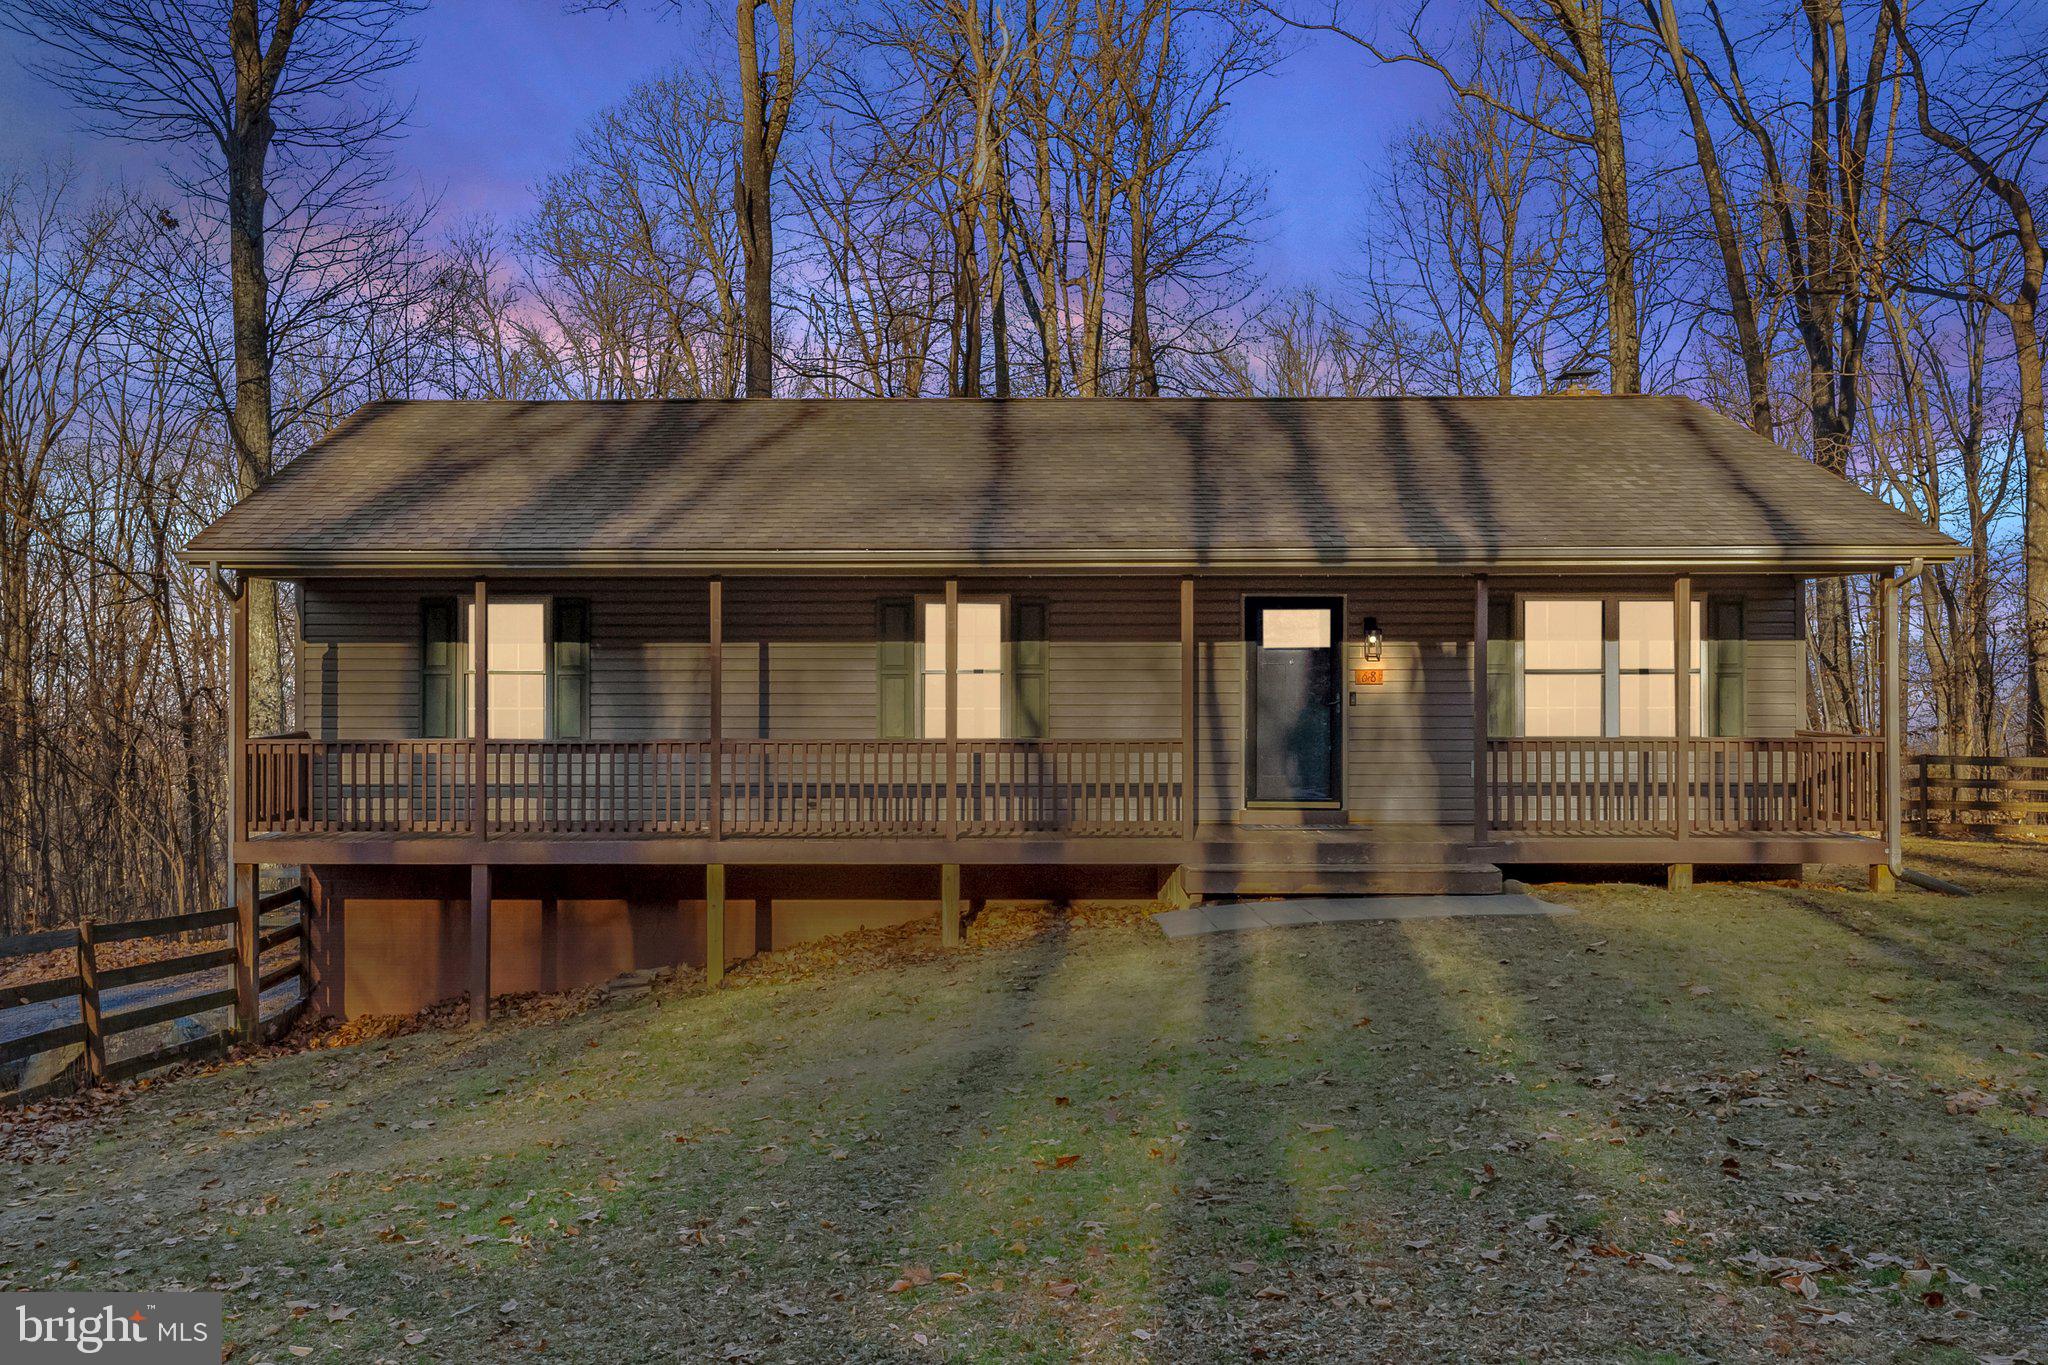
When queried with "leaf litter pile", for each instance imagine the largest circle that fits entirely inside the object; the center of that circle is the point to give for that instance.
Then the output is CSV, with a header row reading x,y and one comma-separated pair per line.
x,y
1739,1122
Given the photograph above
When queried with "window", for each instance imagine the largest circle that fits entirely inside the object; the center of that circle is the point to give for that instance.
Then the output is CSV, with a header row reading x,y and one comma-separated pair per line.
x,y
980,664
1602,666
1562,663
1643,669
540,668
519,668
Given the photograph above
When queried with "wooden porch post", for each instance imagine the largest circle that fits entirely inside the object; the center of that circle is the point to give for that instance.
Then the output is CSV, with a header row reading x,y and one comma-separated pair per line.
x,y
1481,618
479,942
1678,876
714,924
952,708
1681,703
243,874
1892,650
717,721
480,710
1190,732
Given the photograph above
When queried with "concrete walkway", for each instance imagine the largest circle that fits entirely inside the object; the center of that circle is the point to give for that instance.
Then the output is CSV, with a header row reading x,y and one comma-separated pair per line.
x,y
1230,916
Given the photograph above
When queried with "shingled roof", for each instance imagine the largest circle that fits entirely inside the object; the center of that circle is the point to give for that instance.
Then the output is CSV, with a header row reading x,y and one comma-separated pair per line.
x,y
847,484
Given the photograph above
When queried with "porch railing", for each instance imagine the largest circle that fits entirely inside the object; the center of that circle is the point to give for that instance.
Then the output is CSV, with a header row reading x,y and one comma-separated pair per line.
x,y
1805,784
764,788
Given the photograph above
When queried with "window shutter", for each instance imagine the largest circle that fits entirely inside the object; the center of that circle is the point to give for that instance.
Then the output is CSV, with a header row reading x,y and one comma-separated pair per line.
x,y
1503,668
1727,666
895,668
1030,670
570,656
440,708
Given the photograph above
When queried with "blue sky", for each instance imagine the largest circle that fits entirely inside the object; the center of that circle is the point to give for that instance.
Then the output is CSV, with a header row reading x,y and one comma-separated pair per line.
x,y
501,88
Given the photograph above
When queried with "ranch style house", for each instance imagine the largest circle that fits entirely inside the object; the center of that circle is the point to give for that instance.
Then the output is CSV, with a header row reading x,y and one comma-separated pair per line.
x,y
584,687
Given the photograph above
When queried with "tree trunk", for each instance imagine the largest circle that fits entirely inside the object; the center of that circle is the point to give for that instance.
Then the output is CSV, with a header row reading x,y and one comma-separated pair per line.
x,y
251,422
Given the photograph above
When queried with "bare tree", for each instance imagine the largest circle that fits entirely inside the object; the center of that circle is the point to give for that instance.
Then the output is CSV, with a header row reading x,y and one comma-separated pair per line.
x,y
1997,147
243,88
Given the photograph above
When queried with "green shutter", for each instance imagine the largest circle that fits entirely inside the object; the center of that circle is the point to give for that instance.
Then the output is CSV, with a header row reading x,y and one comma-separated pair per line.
x,y
895,668
1030,670
1503,668
1727,666
570,657
440,709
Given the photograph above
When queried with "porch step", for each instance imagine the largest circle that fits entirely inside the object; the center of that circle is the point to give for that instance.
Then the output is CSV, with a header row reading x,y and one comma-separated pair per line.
x,y
1344,879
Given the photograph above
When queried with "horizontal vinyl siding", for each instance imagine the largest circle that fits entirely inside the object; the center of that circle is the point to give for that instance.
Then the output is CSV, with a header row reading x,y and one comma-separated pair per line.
x,y
359,660
1774,690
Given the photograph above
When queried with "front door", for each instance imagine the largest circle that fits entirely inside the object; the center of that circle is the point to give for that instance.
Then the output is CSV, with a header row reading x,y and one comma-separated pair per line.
x,y
1295,700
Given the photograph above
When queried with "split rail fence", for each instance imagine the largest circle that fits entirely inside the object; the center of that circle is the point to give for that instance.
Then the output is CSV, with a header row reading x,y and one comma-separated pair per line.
x,y
280,921
1970,794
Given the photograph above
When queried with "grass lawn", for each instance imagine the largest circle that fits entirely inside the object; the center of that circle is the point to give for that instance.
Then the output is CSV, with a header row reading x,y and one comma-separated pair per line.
x,y
1737,1122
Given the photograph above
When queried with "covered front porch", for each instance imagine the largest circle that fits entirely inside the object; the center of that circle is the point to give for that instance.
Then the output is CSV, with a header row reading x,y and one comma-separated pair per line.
x,y
1177,794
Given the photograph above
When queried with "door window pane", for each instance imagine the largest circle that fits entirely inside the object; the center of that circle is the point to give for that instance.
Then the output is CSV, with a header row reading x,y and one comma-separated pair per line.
x,y
1294,628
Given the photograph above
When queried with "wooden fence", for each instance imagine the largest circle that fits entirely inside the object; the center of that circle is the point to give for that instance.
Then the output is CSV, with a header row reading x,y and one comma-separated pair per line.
x,y
280,921
1959,793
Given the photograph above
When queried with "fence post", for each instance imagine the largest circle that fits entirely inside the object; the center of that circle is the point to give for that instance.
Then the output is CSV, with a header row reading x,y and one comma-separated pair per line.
x,y
89,1007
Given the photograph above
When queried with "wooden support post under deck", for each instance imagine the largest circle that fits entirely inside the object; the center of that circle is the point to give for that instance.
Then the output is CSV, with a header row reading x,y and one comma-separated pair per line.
x,y
480,714
953,795
949,906
247,1005
242,884
1481,616
479,942
714,924
1678,877
89,1006
1190,732
716,665
1894,651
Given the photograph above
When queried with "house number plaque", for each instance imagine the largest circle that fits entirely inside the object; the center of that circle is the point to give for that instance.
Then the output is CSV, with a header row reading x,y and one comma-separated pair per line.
x,y
1368,677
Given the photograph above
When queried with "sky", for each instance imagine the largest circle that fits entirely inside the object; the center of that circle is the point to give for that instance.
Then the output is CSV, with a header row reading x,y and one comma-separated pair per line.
x,y
500,89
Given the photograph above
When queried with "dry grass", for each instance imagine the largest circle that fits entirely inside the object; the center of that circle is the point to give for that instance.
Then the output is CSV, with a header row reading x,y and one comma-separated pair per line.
x,y
1741,1122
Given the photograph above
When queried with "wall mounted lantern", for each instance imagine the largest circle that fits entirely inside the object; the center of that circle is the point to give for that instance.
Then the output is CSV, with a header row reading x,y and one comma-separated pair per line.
x,y
1372,639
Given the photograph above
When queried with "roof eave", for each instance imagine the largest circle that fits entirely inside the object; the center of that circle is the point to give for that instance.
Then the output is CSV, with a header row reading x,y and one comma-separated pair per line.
x,y
286,562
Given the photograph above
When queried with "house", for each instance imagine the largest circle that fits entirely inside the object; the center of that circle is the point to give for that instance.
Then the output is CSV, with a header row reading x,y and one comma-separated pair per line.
x,y
756,670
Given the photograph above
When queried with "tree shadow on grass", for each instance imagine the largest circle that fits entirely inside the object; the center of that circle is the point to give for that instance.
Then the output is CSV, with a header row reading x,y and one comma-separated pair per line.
x,y
1780,1060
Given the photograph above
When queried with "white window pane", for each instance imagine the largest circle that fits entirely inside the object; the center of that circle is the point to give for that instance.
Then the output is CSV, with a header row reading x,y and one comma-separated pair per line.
x,y
981,635
1294,628
1561,704
1645,700
519,660
981,705
980,698
1645,634
518,635
1561,634
518,705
